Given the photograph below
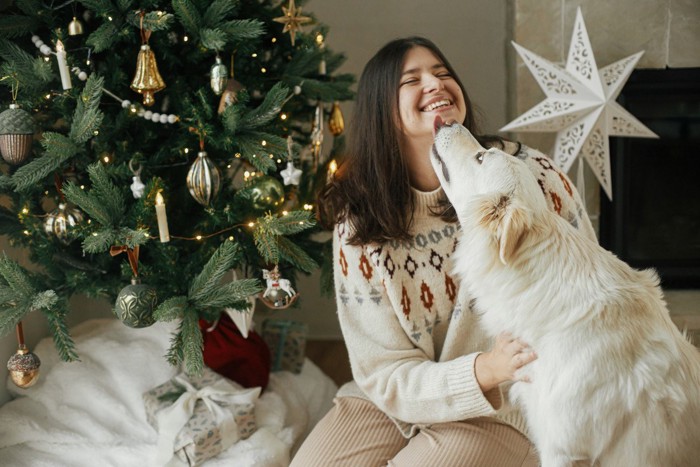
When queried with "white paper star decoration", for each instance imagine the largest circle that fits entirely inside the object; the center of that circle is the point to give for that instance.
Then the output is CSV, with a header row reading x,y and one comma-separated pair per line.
x,y
291,175
580,105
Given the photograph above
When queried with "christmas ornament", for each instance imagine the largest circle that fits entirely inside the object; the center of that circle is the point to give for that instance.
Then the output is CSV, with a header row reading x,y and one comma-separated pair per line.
x,y
135,304
75,27
162,219
291,175
147,79
23,365
61,221
279,293
266,193
317,134
292,20
580,105
16,134
230,94
219,77
336,122
203,179
322,63
63,69
137,186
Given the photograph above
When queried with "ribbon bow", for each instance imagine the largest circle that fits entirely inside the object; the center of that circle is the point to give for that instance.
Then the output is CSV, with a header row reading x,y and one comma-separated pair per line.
x,y
216,396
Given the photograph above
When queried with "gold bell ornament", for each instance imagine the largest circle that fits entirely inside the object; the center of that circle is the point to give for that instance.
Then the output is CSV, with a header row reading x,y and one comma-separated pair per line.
x,y
336,123
23,365
147,79
75,27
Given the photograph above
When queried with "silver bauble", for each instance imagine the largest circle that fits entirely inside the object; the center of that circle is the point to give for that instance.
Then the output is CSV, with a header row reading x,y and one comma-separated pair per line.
x,y
219,77
61,221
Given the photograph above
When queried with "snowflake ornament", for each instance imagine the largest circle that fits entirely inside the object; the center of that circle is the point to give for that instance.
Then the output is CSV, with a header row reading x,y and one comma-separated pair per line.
x,y
580,105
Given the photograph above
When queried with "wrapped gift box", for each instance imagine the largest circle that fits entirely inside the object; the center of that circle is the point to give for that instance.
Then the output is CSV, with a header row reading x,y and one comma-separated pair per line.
x,y
287,342
199,417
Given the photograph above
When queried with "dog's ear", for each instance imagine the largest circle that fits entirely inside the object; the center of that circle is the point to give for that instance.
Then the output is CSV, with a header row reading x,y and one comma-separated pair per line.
x,y
516,222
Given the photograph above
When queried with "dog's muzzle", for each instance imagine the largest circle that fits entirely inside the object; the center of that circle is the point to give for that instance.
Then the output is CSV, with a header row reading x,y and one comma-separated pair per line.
x,y
445,172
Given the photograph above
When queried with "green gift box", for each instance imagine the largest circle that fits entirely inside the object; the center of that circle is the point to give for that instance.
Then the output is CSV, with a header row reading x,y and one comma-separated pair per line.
x,y
287,342
199,417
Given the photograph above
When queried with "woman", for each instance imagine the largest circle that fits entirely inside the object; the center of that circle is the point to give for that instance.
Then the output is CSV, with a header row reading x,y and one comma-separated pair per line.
x,y
427,389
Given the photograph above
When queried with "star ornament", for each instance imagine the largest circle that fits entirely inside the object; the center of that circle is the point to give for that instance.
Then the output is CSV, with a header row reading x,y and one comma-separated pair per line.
x,y
291,175
580,105
292,20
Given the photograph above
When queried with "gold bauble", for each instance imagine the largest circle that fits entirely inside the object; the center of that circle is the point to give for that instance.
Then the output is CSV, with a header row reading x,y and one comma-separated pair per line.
x,y
147,79
61,221
24,367
267,193
336,123
204,179
75,27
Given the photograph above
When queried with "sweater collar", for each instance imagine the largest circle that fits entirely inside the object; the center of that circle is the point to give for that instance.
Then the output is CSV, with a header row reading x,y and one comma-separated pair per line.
x,y
425,200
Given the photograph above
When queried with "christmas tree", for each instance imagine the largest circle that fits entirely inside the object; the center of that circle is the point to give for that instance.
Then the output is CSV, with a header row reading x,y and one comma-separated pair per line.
x,y
150,148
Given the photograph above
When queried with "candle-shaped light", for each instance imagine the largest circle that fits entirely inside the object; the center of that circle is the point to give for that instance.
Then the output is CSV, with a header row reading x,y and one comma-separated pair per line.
x,y
63,66
332,168
162,219
321,46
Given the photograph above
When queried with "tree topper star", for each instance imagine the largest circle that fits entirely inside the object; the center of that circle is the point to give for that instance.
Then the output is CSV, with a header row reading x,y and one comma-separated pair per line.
x,y
292,20
580,105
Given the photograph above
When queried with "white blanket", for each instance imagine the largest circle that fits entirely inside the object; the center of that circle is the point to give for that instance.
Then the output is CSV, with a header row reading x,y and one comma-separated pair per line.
x,y
91,413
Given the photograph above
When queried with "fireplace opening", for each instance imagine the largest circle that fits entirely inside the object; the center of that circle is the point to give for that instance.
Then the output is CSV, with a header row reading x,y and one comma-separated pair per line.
x,y
654,218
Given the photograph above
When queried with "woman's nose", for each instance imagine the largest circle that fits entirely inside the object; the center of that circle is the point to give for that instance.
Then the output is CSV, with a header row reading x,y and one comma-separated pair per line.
x,y
432,83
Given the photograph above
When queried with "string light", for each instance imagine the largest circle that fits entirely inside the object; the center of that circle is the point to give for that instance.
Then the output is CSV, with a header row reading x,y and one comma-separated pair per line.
x,y
283,116
26,232
25,211
198,237
251,224
254,55
185,39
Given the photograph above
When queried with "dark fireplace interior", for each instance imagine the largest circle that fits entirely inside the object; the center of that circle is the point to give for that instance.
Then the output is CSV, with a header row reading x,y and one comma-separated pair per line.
x,y
654,218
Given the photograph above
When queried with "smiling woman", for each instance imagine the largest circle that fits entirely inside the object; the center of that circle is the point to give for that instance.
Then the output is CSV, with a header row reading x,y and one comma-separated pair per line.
x,y
426,388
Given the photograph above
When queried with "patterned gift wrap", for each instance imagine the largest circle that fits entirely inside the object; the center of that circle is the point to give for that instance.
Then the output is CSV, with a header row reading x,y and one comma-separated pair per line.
x,y
201,438
287,342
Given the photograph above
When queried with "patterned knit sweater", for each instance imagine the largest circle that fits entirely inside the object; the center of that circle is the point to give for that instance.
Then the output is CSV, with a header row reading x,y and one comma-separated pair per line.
x,y
412,337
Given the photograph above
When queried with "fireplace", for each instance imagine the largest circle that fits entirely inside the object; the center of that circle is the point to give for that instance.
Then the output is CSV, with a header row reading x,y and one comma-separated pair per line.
x,y
654,218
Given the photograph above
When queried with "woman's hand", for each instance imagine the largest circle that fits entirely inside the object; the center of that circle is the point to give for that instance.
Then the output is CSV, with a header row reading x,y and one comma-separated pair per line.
x,y
502,361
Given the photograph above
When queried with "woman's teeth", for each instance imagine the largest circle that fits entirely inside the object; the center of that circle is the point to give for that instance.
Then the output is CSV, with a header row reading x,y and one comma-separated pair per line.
x,y
435,105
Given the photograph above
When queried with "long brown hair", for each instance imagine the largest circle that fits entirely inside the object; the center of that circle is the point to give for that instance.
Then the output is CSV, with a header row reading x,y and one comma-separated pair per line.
x,y
371,188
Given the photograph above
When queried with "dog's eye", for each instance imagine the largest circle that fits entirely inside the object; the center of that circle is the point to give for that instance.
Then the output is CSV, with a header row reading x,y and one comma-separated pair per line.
x,y
480,157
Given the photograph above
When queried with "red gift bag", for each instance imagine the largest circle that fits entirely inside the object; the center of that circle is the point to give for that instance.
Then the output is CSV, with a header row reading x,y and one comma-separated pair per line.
x,y
226,351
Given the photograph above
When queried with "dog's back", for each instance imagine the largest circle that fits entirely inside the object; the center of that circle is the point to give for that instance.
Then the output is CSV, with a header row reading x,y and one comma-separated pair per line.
x,y
615,382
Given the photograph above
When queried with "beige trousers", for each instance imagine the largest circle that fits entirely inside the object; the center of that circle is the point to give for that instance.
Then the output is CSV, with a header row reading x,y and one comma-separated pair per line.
x,y
355,433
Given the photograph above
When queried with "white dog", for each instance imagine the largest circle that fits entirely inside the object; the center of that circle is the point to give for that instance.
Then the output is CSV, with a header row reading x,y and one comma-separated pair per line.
x,y
615,383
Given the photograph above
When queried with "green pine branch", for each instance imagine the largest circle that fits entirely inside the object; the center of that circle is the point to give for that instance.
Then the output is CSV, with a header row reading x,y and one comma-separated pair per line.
x,y
218,10
213,39
16,25
152,20
295,255
188,15
171,308
220,262
192,344
87,117
239,30
58,149
104,203
228,295
101,8
61,336
32,73
291,223
104,37
267,110
30,7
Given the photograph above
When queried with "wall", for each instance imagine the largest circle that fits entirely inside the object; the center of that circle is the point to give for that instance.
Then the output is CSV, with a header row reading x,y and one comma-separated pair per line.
x,y
668,31
471,33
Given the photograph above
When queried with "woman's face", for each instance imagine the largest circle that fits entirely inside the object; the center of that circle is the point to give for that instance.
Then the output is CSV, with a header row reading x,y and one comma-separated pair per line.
x,y
427,89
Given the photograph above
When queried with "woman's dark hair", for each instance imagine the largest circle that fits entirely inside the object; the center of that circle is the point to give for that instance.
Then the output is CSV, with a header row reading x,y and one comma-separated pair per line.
x,y
371,188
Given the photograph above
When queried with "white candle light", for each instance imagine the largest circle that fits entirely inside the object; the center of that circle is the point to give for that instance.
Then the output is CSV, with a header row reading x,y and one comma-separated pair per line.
x,y
162,219
63,66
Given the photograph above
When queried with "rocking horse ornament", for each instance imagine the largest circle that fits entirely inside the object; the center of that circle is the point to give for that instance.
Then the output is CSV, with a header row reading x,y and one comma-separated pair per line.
x,y
279,293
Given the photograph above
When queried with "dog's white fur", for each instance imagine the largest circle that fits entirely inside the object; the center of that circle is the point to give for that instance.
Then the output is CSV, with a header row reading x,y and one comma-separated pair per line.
x,y
615,382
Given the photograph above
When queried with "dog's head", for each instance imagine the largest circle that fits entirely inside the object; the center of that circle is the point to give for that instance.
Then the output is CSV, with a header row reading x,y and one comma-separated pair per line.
x,y
488,187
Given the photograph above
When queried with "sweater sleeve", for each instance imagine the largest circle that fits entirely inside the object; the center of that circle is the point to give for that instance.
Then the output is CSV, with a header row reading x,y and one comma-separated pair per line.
x,y
401,378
